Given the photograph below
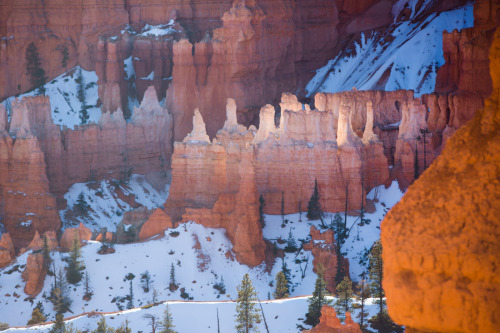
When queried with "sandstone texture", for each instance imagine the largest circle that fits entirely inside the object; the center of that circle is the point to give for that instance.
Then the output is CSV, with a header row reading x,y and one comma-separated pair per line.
x,y
322,247
440,243
330,323
157,223
39,162
34,274
7,251
82,232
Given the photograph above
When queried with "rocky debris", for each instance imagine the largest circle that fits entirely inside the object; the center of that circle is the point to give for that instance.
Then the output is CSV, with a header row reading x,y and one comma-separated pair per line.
x,y
34,274
156,224
7,251
439,242
322,246
330,323
84,234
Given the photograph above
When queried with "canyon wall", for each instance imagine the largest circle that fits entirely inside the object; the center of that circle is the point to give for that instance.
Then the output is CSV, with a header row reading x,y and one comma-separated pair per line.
x,y
440,243
39,162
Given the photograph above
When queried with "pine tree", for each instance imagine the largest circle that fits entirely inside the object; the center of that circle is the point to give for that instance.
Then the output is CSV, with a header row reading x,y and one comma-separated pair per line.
x,y
34,69
36,317
317,300
291,245
415,164
281,286
153,321
286,272
146,281
376,274
84,116
314,206
124,328
47,260
75,265
82,204
130,302
88,291
59,326
59,295
167,324
102,327
65,58
362,296
247,316
262,204
344,294
173,284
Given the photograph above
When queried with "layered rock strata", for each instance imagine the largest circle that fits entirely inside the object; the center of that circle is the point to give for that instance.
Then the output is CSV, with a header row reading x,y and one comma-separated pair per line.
x,y
440,242
38,161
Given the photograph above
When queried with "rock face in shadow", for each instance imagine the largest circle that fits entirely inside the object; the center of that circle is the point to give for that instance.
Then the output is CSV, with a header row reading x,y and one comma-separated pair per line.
x,y
440,242
7,251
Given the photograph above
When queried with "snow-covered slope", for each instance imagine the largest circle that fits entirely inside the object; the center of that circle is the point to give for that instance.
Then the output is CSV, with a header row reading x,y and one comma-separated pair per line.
x,y
64,102
106,201
405,56
201,257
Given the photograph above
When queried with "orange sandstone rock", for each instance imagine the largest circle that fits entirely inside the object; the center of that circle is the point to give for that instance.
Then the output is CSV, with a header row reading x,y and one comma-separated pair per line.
x,y
329,323
322,246
83,233
34,274
7,251
157,223
440,242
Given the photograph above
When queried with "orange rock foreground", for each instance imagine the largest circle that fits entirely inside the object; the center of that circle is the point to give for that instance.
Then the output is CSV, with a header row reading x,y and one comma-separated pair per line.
x,y
441,246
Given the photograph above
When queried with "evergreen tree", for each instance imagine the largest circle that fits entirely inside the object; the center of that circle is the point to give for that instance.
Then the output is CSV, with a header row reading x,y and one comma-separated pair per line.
x,y
314,206
84,116
36,317
376,274
291,245
88,291
262,204
102,327
124,328
362,296
130,302
47,260
75,265
220,286
59,326
383,323
340,233
167,324
146,281
281,286
317,300
247,316
344,294
286,272
34,69
59,295
173,284
153,321
415,164
65,58
81,203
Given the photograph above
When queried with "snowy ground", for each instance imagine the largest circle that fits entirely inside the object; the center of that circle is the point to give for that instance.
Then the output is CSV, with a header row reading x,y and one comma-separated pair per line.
x,y
410,51
105,206
63,93
195,270
280,315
